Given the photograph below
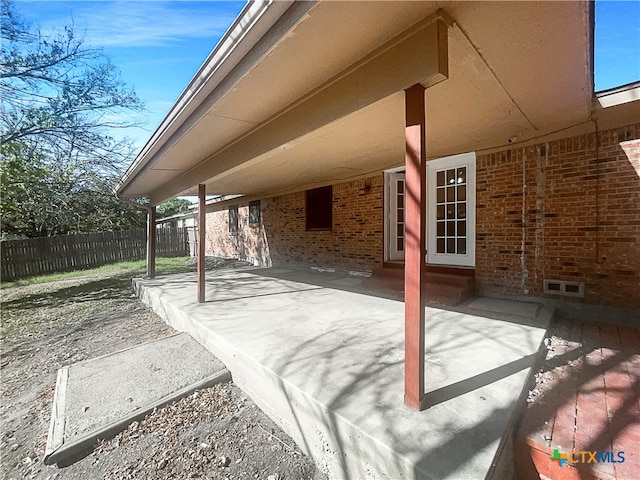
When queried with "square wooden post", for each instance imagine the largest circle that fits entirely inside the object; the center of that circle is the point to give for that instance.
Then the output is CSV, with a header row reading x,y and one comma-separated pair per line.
x,y
415,249
202,234
151,242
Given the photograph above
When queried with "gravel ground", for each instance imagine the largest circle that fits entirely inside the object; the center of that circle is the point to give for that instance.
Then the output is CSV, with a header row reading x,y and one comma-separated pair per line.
x,y
216,433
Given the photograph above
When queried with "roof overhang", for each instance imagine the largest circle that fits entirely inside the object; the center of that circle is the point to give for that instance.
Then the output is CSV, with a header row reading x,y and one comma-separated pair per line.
x,y
619,95
308,93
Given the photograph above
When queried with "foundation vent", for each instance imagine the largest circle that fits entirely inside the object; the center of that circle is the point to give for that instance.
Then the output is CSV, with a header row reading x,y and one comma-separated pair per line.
x,y
560,287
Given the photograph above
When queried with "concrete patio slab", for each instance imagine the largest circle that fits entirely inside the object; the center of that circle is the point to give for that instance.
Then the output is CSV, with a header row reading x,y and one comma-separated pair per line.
x,y
98,398
326,363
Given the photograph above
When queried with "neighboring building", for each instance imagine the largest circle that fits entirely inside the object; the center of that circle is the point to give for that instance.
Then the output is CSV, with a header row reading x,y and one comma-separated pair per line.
x,y
182,220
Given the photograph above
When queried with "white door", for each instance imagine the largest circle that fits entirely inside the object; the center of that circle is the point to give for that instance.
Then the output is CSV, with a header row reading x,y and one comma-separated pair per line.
x,y
395,216
451,208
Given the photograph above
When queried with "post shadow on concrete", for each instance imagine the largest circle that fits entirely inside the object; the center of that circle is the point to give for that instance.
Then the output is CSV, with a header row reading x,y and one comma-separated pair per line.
x,y
312,366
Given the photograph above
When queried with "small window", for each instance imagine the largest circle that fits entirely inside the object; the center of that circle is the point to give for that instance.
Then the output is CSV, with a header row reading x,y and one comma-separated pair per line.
x,y
233,219
319,207
254,212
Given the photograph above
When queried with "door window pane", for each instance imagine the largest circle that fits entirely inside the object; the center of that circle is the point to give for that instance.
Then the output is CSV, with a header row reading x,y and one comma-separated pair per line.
x,y
451,211
451,245
451,229
451,194
462,175
462,246
462,193
451,177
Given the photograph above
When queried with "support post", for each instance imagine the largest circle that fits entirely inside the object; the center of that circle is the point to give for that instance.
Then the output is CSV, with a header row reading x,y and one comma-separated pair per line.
x,y
202,233
415,249
151,242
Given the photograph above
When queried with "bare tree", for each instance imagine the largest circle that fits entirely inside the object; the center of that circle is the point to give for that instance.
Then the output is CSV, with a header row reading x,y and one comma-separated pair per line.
x,y
60,102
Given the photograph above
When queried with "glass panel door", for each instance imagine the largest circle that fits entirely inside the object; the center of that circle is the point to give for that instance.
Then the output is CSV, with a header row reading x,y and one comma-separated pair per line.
x,y
451,210
395,216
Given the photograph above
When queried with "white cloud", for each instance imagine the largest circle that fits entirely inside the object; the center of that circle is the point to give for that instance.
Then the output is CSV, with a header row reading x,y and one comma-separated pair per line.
x,y
131,32
154,23
140,23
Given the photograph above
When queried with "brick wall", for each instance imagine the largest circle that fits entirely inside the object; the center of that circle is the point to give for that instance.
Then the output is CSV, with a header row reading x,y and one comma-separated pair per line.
x,y
250,243
564,210
355,241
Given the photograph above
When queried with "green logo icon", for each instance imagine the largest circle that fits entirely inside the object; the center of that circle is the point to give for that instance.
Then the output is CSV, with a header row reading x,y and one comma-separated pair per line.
x,y
560,457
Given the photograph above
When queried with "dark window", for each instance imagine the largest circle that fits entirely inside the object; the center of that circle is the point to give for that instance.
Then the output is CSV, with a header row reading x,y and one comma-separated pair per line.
x,y
233,219
319,208
254,212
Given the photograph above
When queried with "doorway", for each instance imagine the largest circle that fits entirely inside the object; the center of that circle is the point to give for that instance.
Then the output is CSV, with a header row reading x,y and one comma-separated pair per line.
x,y
451,195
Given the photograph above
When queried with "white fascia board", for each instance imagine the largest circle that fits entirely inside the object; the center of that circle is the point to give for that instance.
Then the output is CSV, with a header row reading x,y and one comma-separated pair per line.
x,y
619,96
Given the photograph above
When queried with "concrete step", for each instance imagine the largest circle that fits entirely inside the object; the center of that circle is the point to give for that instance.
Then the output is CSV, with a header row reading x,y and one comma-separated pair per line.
x,y
444,288
431,276
435,292
384,283
389,272
446,294
461,281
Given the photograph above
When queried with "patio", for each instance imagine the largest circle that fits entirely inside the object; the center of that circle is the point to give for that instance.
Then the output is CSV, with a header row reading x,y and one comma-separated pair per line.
x,y
323,356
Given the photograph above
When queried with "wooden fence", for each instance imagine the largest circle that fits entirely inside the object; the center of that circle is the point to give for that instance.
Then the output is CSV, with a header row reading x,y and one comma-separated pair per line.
x,y
37,256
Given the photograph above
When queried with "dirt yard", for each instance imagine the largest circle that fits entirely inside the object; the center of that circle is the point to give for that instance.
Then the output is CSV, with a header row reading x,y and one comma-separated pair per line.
x,y
217,433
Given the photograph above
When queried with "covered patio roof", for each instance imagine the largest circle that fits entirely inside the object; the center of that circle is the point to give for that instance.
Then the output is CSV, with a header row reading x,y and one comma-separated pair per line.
x,y
302,94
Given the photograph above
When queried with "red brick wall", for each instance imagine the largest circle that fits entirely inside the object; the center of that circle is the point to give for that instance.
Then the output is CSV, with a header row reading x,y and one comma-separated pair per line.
x,y
250,243
355,241
564,210
556,210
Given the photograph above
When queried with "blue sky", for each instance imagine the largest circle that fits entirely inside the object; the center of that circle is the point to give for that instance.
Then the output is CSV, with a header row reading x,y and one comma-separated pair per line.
x,y
159,45
617,43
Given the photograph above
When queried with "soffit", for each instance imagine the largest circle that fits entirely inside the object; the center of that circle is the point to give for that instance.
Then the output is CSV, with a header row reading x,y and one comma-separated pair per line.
x,y
293,68
517,69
